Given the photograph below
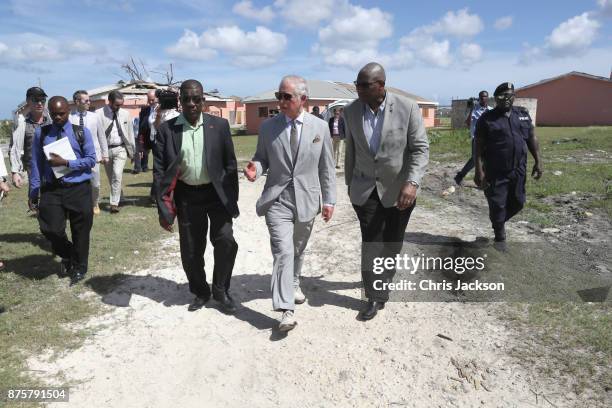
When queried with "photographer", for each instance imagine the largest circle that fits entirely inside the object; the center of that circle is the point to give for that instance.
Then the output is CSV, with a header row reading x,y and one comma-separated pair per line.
x,y
167,108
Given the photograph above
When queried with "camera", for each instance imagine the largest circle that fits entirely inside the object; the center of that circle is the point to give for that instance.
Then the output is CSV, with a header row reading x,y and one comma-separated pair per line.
x,y
168,99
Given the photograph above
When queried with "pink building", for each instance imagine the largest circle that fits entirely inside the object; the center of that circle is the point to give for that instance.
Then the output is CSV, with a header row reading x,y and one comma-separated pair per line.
x,y
321,94
135,97
572,99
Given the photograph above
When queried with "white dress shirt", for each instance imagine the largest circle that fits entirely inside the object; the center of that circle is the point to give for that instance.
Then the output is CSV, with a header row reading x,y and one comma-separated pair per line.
x,y
90,121
299,121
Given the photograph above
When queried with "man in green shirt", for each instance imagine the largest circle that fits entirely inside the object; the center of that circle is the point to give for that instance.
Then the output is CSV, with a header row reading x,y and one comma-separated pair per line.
x,y
196,179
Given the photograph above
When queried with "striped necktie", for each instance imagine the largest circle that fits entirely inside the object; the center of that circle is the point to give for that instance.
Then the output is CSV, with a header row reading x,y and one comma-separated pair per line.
x,y
81,122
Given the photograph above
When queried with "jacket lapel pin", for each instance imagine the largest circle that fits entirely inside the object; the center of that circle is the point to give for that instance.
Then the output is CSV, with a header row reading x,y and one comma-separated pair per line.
x,y
316,139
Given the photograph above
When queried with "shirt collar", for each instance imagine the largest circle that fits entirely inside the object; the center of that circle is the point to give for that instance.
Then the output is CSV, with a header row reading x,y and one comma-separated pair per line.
x,y
45,120
67,125
299,119
181,120
381,108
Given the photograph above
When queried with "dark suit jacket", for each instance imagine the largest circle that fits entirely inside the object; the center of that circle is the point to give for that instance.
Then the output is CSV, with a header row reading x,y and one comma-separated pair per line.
x,y
144,130
220,163
340,126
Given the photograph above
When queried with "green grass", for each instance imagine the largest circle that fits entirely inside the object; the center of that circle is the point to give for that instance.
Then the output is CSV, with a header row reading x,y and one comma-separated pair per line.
x,y
244,146
39,306
449,145
569,343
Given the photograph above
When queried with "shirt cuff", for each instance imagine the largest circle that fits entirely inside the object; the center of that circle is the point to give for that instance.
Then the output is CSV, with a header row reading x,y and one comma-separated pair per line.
x,y
328,205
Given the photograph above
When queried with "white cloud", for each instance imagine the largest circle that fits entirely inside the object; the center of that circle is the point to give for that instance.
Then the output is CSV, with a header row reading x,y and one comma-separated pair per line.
x,y
427,49
470,52
359,28
245,9
352,38
28,47
503,23
457,24
254,48
605,7
188,47
309,13
573,36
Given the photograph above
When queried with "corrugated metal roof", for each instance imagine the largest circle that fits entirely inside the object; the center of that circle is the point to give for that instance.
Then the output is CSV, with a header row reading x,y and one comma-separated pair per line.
x,y
331,90
573,73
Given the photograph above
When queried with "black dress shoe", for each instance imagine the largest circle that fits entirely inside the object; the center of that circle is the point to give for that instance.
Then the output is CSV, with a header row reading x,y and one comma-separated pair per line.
x,y
371,309
198,303
65,268
226,302
76,278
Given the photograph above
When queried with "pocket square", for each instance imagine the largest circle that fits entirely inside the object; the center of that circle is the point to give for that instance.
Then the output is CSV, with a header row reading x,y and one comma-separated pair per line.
x,y
317,139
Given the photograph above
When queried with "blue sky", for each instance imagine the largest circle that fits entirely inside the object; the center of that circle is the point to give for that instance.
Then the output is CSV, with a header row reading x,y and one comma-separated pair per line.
x,y
438,49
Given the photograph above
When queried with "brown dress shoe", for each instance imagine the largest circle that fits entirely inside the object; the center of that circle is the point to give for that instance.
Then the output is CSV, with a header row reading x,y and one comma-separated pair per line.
x,y
114,209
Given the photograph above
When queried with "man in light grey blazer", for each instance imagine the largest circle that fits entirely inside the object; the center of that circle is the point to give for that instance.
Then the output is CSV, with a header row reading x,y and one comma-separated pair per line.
x,y
386,156
116,133
295,149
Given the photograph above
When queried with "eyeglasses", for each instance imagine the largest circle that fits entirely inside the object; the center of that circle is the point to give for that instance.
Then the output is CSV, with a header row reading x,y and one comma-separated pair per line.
x,y
283,95
196,99
364,84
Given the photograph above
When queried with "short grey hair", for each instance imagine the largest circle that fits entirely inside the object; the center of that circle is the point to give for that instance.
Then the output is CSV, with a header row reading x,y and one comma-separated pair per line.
x,y
301,87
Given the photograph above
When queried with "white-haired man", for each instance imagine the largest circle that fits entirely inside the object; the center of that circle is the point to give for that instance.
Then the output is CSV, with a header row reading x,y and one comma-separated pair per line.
x,y
295,149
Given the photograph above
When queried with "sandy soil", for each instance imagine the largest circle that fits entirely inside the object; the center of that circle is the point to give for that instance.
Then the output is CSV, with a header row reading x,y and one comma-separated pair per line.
x,y
148,351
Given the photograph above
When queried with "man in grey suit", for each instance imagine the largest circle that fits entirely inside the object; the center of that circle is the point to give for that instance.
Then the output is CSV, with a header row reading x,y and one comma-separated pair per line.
x,y
295,149
386,156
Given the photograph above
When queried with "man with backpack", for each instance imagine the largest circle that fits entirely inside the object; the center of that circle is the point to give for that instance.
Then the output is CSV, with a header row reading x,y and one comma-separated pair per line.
x,y
66,195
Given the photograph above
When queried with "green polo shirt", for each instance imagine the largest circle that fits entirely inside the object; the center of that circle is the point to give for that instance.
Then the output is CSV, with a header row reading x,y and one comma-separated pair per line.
x,y
193,169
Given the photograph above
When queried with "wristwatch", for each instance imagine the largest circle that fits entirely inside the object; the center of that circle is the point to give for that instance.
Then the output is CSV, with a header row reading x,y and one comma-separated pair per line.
x,y
414,183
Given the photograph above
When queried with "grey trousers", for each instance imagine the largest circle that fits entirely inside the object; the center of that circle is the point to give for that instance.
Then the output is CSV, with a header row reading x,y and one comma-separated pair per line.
x,y
114,171
288,239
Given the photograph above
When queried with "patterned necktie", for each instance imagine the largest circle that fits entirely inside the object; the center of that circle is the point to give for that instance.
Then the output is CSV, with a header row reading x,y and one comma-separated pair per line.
x,y
81,123
294,141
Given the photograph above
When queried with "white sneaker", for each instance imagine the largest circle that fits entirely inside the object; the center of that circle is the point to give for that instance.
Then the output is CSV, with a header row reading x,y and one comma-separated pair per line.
x,y
287,322
299,296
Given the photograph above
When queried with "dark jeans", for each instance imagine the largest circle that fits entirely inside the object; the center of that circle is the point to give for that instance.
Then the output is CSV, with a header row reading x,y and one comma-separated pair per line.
x,y
382,234
195,207
469,165
74,203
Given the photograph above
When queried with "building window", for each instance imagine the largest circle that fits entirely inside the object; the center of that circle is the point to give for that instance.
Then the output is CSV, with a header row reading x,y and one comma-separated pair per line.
x,y
425,112
263,111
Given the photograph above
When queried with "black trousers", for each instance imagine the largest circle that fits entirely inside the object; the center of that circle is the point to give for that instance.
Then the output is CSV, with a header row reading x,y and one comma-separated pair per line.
x,y
196,206
58,203
506,196
382,235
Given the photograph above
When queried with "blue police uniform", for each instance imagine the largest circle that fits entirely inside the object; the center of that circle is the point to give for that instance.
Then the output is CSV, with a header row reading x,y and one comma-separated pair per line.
x,y
504,139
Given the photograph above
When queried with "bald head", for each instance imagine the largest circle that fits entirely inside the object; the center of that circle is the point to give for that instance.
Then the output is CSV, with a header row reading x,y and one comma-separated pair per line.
x,y
151,98
58,110
370,84
373,71
192,84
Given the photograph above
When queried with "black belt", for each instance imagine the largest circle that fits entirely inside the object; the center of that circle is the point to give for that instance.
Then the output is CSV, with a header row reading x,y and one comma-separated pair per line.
x,y
197,187
62,184
119,145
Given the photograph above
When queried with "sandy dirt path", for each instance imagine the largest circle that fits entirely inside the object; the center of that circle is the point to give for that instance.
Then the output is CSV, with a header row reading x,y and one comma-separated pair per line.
x,y
148,351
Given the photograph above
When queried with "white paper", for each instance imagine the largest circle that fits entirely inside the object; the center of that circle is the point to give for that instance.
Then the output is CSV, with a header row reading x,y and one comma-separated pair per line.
x,y
63,149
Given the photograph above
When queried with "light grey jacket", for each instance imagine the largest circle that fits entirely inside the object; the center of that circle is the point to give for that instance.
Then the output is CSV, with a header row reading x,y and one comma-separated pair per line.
x,y
105,116
314,174
402,156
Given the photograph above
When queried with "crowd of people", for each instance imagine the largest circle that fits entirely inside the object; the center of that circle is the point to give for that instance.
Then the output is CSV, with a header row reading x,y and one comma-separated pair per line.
x,y
195,175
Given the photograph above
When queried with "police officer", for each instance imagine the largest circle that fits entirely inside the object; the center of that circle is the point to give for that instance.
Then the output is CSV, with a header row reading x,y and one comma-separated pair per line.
x,y
69,197
502,138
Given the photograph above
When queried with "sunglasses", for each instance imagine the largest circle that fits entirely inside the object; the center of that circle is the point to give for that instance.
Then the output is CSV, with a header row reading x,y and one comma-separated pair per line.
x,y
196,99
364,84
283,96
504,96
38,99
